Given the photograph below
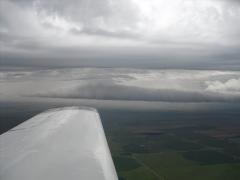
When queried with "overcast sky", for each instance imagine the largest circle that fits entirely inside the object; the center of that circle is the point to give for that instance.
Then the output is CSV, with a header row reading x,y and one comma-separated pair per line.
x,y
180,34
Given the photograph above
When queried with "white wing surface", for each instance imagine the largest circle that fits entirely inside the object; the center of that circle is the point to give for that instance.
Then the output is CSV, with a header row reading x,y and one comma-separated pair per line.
x,y
59,144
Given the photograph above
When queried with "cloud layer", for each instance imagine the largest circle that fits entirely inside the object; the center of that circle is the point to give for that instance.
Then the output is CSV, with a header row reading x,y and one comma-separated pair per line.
x,y
175,21
123,84
177,33
130,93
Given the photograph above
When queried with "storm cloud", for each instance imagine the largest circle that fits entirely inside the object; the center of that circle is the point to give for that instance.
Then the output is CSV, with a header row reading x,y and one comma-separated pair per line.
x,y
180,34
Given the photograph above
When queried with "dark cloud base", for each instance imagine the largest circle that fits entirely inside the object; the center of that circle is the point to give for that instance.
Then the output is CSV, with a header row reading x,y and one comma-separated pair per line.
x,y
131,93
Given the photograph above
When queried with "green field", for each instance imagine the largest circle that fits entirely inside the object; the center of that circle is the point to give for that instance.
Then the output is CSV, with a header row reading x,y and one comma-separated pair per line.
x,y
156,146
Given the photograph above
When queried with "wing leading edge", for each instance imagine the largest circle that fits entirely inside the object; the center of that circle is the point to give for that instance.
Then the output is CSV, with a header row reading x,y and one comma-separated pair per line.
x,y
59,144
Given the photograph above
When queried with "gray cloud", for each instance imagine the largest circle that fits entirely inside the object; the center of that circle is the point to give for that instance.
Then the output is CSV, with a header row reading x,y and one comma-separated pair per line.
x,y
211,57
122,84
188,34
120,92
100,32
229,86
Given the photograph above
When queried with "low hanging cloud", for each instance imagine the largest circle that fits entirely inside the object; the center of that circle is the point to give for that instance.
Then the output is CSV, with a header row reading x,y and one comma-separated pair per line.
x,y
122,84
109,91
231,86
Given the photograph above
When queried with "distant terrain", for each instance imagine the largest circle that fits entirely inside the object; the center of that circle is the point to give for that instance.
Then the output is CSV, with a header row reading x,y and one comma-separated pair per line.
x,y
173,146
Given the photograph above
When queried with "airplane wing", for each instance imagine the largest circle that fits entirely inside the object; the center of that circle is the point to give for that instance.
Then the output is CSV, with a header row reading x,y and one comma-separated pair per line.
x,y
59,144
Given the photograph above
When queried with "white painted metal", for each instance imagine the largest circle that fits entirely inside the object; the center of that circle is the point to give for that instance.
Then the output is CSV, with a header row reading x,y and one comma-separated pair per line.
x,y
59,144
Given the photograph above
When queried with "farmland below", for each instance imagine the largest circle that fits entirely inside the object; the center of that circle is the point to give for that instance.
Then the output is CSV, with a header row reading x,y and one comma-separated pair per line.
x,y
171,145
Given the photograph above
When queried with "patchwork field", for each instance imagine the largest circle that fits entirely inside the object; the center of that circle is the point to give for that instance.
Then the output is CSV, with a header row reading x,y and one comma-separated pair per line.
x,y
157,146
